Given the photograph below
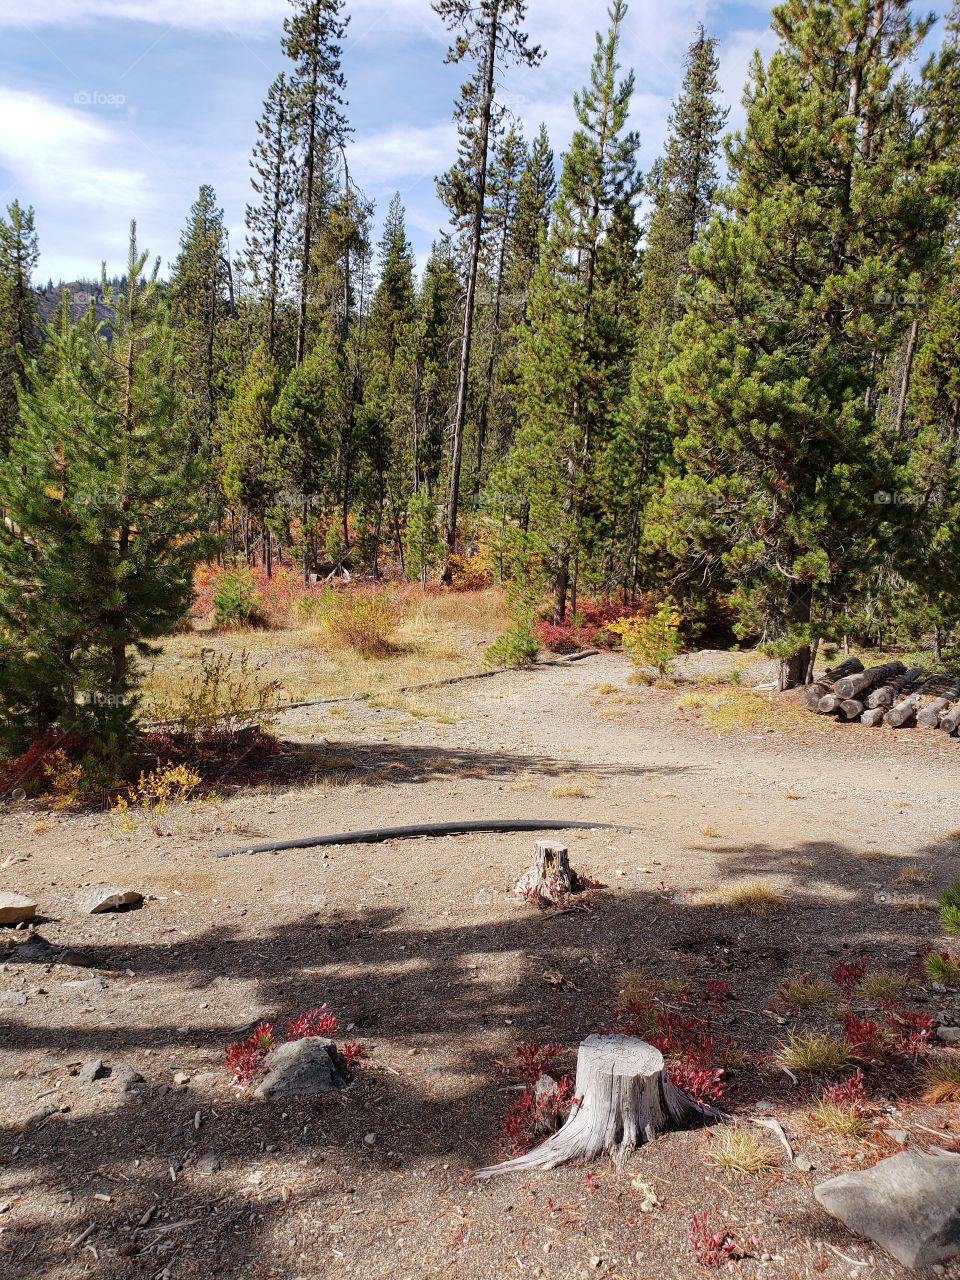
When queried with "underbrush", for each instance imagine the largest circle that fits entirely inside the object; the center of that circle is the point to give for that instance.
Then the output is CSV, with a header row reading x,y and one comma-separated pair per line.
x,y
588,627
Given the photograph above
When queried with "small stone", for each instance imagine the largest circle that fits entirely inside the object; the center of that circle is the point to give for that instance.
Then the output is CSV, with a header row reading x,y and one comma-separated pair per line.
x,y
369,1139
91,1071
12,859
900,1136
12,999
949,1035
908,1204
182,1077
86,986
208,1163
804,1164
596,1262
15,908
310,1065
97,898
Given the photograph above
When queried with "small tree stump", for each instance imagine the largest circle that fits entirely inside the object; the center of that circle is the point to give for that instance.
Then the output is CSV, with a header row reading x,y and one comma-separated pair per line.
x,y
624,1098
551,878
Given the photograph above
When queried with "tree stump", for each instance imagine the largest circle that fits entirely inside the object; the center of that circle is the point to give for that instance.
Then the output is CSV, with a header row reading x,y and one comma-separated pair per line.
x,y
551,878
624,1098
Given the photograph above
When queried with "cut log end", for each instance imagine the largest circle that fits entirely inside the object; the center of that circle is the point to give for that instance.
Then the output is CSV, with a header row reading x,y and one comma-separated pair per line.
x,y
624,1097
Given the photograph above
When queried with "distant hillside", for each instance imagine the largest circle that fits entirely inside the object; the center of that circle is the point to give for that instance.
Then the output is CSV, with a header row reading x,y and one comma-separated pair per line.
x,y
81,293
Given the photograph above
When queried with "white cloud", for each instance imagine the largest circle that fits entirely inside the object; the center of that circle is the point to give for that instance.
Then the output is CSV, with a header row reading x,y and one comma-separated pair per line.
x,y
65,162
390,158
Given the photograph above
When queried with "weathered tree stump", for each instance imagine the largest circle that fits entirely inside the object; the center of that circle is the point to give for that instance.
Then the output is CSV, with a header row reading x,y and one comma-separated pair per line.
x,y
551,878
624,1098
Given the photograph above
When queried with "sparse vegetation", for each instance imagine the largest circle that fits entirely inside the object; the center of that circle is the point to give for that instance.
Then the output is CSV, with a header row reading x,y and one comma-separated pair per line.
x,y
804,993
753,897
815,1053
738,1149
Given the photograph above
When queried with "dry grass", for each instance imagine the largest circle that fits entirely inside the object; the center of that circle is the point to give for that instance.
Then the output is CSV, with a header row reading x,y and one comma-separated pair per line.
x,y
792,795
438,635
942,1081
912,873
734,709
740,1150
883,986
751,896
843,1121
804,993
815,1053
872,855
915,904
605,688
711,832
571,791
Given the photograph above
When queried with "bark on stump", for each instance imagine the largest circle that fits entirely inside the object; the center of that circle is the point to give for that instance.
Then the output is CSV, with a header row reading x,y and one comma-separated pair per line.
x,y
551,878
624,1098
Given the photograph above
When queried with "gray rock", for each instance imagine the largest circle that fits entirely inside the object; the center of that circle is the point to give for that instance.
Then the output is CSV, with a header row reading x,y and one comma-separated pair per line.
x,y
208,1163
107,897
12,999
91,1071
900,1136
12,859
310,1065
908,1204
86,986
949,1035
15,908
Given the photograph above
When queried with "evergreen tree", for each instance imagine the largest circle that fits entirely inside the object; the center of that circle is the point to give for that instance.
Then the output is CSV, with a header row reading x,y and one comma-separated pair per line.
x,y
313,41
100,488
269,230
535,196
488,34
436,365
774,384
19,328
255,460
201,302
575,348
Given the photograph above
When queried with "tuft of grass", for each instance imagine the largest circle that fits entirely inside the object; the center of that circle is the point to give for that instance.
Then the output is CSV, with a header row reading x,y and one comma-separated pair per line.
x,y
912,873
739,1150
872,855
815,1053
605,688
792,795
804,993
752,896
839,1119
571,791
712,832
942,1081
883,986
636,990
692,702
950,909
915,904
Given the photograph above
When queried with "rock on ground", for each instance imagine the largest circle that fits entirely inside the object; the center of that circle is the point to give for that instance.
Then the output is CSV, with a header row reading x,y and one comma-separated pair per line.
x,y
310,1065
909,1204
15,908
107,897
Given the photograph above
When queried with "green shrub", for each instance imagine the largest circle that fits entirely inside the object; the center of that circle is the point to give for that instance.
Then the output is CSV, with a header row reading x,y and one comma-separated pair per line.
x,y
950,909
236,602
517,646
364,621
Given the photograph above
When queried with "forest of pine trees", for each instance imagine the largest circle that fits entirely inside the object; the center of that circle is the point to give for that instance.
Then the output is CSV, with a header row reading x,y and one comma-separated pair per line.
x,y
732,381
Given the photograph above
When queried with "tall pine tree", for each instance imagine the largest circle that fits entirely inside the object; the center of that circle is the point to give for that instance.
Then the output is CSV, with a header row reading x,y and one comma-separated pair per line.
x,y
19,326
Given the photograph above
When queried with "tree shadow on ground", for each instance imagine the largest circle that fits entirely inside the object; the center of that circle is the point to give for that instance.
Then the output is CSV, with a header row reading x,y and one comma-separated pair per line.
x,y
441,1005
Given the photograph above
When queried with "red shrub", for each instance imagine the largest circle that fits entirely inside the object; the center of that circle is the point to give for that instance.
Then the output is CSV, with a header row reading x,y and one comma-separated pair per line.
x,y
864,1036
702,1084
245,1057
534,1114
352,1053
533,1060
716,991
849,975
312,1022
850,1093
912,1033
713,1248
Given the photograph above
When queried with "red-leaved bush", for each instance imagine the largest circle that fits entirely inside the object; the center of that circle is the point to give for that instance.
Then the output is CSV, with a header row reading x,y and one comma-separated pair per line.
x,y
849,974
712,1248
849,1093
312,1022
245,1058
702,1084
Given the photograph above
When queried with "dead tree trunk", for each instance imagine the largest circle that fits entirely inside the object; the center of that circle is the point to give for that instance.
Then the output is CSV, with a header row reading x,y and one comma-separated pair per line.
x,y
885,695
930,716
853,686
820,688
951,721
624,1097
873,717
906,710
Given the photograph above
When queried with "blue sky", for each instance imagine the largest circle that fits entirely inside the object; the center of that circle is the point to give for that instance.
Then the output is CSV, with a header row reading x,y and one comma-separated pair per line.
x,y
115,109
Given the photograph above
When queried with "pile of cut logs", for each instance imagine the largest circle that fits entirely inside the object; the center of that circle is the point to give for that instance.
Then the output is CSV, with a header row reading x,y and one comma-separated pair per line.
x,y
888,694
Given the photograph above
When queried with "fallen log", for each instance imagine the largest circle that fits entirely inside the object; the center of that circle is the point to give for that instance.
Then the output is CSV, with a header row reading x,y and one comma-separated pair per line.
x,y
824,684
906,710
885,695
951,721
851,709
930,716
624,1097
873,716
378,834
852,686
829,703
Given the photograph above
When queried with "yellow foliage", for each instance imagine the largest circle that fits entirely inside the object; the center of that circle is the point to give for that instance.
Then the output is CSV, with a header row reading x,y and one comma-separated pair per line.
x,y
651,639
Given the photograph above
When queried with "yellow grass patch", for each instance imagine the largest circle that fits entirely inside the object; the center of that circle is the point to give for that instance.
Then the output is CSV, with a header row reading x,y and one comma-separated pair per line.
x,y
752,896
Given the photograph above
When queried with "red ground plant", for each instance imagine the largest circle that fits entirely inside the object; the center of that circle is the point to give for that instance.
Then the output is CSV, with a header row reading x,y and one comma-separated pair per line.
x,y
713,1249
537,1110
849,974
245,1058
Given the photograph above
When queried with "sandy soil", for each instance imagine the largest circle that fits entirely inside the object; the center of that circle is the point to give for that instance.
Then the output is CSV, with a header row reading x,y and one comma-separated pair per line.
x,y
421,951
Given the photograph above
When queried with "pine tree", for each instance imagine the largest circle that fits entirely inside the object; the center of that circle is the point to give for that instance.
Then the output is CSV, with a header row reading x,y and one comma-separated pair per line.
x,y
488,34
255,460
103,528
535,196
19,327
269,230
200,297
436,365
576,346
313,41
798,300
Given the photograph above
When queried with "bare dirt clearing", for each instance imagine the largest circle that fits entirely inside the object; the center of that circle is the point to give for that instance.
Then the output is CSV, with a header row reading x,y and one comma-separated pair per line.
x,y
419,947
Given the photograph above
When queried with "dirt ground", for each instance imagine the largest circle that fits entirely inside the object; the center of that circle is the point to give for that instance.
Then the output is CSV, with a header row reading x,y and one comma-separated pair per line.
x,y
426,958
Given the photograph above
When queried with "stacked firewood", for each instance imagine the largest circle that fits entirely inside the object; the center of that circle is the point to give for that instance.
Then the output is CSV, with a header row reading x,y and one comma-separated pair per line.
x,y
890,693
